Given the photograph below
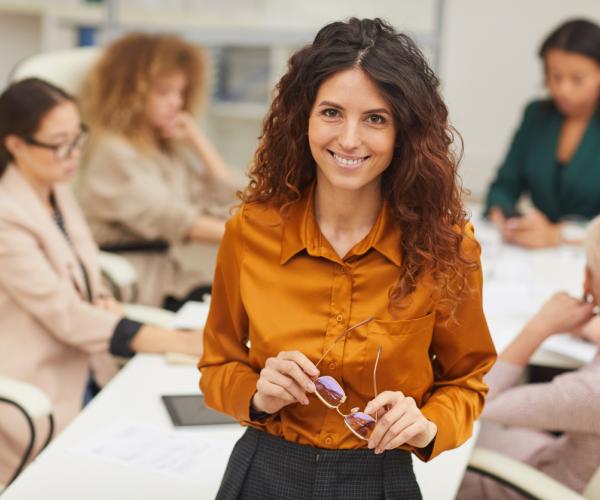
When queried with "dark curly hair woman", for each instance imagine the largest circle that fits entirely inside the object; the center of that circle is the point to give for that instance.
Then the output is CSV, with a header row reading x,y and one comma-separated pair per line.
x,y
346,327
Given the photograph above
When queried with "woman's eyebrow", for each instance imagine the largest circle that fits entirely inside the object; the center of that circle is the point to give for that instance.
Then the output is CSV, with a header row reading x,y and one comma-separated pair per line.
x,y
368,111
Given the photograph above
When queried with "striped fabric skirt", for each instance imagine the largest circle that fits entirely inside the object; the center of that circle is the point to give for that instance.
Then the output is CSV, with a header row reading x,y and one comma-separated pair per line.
x,y
262,466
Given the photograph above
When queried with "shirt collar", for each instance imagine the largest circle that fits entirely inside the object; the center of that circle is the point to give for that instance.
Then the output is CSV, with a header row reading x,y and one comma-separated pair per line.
x,y
301,232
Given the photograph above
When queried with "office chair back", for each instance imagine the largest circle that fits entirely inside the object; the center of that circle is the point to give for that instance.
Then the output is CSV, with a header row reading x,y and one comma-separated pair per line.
x,y
66,69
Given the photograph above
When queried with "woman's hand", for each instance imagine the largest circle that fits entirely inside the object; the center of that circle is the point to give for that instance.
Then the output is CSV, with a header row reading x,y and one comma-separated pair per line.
x,y
590,330
108,303
184,128
497,218
561,313
284,380
181,128
532,230
399,422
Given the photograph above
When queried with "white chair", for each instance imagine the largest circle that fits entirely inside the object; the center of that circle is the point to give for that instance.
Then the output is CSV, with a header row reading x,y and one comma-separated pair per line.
x,y
66,69
527,480
120,276
33,404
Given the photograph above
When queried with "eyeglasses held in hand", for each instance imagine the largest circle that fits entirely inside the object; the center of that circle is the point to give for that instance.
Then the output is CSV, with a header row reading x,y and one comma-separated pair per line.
x,y
64,150
330,392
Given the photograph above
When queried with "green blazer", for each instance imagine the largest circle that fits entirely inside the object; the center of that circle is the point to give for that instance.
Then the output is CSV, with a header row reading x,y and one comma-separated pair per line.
x,y
531,167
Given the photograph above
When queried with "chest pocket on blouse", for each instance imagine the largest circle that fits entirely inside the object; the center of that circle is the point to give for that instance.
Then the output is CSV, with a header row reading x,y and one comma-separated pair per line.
x,y
405,363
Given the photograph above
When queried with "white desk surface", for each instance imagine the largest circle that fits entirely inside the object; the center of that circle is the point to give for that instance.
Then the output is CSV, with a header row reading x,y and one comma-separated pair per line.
x,y
516,283
134,393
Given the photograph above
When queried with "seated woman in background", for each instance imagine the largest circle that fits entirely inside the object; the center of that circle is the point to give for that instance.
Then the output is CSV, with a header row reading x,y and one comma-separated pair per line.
x,y
139,188
555,154
56,327
518,420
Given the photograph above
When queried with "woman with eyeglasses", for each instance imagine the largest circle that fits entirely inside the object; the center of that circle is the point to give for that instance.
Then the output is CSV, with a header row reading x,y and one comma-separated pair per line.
x,y
57,325
554,156
346,327
153,188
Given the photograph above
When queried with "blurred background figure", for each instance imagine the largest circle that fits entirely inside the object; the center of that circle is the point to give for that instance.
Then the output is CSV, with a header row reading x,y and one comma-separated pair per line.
x,y
555,154
552,426
151,182
57,323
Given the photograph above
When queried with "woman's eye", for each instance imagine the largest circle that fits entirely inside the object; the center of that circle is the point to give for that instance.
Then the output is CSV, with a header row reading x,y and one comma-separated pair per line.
x,y
376,119
330,113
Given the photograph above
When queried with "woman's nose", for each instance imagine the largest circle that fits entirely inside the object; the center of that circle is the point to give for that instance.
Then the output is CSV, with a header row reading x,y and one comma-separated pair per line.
x,y
349,137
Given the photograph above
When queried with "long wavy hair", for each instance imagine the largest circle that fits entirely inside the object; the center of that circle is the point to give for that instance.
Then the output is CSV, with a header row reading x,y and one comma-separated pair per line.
x,y
115,93
421,184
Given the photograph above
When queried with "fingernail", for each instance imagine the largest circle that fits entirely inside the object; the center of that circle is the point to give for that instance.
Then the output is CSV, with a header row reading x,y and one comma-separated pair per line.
x,y
378,451
310,387
368,409
305,402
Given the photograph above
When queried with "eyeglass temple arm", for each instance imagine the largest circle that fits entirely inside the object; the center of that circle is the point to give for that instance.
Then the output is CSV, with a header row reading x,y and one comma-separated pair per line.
x,y
342,335
375,391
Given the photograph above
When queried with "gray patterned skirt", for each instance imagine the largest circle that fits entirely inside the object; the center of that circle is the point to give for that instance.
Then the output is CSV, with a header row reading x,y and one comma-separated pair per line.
x,y
266,467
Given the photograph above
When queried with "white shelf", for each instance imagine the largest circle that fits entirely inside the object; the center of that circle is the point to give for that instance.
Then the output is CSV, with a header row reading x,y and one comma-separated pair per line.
x,y
242,110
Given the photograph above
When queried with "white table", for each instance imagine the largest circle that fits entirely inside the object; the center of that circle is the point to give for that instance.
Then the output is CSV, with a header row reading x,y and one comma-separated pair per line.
x,y
135,392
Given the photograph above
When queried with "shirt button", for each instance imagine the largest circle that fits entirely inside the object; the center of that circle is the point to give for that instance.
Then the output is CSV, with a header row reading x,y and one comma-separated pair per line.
x,y
332,365
329,440
339,318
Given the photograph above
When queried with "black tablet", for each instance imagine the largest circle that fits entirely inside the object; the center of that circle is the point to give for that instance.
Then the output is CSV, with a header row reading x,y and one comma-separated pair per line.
x,y
189,409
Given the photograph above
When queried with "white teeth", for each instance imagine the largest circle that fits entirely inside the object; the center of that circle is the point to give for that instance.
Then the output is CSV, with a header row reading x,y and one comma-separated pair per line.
x,y
350,162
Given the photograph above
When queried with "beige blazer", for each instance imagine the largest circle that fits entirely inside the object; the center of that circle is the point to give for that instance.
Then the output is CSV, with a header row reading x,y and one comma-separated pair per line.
x,y
50,336
130,195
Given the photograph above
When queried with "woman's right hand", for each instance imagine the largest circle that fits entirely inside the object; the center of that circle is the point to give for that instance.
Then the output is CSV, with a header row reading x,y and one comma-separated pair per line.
x,y
497,218
590,331
284,380
562,313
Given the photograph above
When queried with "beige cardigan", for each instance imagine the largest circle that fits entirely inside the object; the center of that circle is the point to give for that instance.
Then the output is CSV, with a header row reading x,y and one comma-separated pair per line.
x,y
49,335
517,420
129,195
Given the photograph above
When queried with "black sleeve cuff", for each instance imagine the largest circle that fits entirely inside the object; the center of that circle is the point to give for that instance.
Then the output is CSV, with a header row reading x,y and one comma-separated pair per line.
x,y
257,416
120,343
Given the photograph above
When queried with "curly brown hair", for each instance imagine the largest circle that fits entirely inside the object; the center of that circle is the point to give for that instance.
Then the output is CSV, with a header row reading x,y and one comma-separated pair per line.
x,y
421,184
115,93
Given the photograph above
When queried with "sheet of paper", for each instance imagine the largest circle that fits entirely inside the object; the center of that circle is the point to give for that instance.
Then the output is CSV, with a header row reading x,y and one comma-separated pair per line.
x,y
191,316
153,449
572,347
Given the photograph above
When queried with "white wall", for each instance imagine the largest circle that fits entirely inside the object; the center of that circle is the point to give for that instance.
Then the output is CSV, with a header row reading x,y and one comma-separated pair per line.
x,y
490,69
20,37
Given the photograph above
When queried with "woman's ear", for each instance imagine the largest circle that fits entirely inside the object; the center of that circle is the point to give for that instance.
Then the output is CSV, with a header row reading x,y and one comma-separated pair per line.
x,y
14,144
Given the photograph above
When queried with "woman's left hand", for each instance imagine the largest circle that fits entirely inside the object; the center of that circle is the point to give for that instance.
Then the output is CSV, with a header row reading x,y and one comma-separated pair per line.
x,y
399,422
182,128
533,230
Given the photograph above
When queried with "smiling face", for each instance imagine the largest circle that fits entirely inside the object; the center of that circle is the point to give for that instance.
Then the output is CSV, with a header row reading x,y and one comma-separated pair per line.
x,y
573,81
351,132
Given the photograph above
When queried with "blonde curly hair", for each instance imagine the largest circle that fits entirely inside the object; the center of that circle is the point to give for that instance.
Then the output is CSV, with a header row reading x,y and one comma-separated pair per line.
x,y
115,92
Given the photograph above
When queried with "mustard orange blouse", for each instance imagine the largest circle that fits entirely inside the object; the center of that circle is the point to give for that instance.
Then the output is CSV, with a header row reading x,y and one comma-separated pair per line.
x,y
280,286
